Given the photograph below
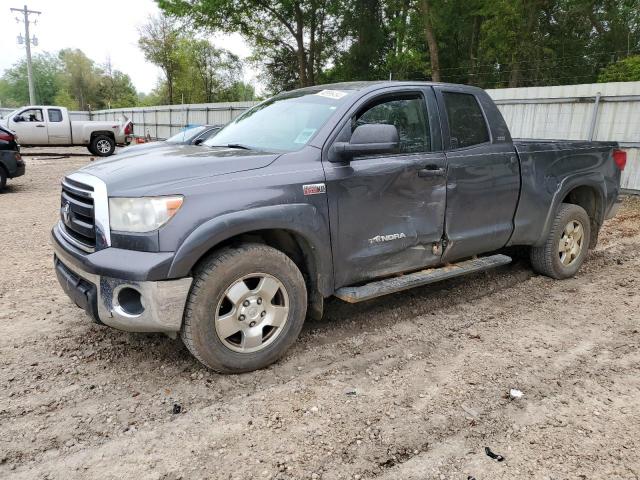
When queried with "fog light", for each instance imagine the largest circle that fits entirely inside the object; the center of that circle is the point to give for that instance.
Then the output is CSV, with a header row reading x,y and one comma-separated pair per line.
x,y
130,301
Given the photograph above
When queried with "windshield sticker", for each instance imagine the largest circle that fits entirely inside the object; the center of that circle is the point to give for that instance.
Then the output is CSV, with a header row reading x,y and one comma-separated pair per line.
x,y
304,136
333,94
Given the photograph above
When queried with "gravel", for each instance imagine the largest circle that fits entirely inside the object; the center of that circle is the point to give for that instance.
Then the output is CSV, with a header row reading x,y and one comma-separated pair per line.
x,y
410,386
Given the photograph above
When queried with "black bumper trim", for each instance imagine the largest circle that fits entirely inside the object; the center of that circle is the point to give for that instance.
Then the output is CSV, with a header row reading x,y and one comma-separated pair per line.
x,y
81,291
115,262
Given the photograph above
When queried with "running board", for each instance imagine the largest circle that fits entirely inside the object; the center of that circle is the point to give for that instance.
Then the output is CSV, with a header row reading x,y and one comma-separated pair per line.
x,y
417,279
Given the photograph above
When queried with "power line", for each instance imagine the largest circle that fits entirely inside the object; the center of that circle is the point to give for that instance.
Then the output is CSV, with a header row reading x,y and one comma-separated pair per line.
x,y
27,41
557,59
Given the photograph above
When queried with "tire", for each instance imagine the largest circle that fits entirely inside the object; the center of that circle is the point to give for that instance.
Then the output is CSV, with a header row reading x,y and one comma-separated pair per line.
x,y
565,250
91,150
3,178
102,145
228,326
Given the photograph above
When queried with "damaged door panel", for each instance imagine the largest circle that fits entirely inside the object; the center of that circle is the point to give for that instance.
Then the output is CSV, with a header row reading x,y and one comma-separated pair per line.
x,y
389,207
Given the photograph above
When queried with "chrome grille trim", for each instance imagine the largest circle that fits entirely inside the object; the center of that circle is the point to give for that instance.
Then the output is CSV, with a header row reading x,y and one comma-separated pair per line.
x,y
100,207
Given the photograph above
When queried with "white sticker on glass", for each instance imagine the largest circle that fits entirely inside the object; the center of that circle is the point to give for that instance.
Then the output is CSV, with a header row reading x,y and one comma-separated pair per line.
x,y
304,136
333,94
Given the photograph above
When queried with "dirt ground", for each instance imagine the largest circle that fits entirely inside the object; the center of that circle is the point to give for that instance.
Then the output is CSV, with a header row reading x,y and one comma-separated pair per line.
x,y
412,386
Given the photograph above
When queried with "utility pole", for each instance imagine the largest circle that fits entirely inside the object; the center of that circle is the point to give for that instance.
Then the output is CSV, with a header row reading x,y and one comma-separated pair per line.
x,y
26,12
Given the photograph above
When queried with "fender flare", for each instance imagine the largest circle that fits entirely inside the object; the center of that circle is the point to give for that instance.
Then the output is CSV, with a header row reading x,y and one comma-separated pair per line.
x,y
593,180
301,219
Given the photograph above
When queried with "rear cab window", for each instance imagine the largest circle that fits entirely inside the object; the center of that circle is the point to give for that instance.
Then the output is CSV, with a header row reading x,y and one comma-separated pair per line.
x,y
54,114
467,125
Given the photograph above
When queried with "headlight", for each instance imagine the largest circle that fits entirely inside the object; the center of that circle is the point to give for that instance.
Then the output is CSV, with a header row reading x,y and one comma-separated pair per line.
x,y
143,214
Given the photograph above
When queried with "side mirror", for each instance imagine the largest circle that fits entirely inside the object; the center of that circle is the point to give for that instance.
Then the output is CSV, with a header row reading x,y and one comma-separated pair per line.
x,y
198,141
18,118
371,138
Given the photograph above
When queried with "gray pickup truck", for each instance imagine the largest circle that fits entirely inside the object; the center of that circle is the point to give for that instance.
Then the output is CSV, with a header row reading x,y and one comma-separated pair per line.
x,y
352,190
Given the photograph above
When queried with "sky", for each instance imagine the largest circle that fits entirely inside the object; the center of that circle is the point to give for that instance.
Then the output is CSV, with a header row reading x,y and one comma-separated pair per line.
x,y
100,28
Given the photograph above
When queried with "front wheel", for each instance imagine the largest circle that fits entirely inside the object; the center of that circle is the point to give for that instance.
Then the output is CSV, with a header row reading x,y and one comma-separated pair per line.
x,y
567,245
102,145
245,309
3,178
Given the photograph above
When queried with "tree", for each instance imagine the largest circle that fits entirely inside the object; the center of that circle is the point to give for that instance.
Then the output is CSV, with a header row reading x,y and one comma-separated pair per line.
x,y
430,38
14,90
80,79
625,70
301,28
160,40
116,88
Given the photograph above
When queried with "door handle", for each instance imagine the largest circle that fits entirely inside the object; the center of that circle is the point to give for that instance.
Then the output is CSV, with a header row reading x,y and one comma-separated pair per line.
x,y
40,126
431,171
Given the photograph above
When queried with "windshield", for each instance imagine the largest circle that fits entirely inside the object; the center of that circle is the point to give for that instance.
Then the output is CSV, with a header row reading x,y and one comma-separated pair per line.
x,y
185,135
284,123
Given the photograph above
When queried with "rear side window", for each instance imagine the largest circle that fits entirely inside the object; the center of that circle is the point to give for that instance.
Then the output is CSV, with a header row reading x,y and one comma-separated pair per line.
x,y
467,126
55,115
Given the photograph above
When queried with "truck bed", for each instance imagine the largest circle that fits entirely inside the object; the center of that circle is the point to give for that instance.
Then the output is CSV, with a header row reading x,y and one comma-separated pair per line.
x,y
547,169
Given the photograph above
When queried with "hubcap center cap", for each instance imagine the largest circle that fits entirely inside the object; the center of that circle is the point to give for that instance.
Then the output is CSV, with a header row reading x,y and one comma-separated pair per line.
x,y
251,311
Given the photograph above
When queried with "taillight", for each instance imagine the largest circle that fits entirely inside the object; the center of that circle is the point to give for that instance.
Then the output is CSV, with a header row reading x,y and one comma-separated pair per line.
x,y
620,158
7,137
128,130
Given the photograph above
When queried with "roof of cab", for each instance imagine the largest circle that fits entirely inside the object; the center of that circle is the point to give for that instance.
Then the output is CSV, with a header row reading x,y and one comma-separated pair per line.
x,y
376,84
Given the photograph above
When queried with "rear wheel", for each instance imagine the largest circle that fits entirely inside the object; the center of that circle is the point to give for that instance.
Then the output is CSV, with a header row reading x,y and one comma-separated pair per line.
x,y
3,178
102,145
567,245
245,309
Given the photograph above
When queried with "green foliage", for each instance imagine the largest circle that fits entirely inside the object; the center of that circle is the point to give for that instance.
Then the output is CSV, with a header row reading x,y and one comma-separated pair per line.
x,y
194,70
69,79
14,89
625,70
490,43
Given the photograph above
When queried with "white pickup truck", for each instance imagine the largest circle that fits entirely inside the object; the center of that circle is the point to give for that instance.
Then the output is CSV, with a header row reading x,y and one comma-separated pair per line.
x,y
45,125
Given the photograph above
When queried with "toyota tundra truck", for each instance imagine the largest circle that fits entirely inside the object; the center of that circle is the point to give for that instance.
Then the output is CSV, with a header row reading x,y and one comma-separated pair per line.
x,y
352,190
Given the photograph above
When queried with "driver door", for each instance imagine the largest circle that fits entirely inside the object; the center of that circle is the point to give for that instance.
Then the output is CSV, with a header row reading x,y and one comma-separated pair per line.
x,y
387,210
31,129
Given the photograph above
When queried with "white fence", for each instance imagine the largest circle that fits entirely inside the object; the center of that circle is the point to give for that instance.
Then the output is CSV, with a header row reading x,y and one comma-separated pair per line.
x,y
600,111
167,120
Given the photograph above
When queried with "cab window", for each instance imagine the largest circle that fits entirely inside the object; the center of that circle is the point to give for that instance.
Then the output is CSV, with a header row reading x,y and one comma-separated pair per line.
x,y
407,113
54,114
467,126
32,115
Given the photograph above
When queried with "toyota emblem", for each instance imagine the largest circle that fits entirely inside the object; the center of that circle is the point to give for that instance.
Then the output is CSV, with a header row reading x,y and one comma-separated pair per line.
x,y
65,212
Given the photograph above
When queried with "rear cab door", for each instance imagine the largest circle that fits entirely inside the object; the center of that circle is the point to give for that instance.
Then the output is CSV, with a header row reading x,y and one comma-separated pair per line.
x,y
58,126
387,210
483,173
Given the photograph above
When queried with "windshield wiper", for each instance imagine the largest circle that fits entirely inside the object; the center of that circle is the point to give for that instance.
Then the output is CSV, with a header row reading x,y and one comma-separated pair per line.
x,y
235,145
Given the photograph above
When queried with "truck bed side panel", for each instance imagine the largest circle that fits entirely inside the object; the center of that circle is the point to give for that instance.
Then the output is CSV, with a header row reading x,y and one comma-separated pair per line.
x,y
550,170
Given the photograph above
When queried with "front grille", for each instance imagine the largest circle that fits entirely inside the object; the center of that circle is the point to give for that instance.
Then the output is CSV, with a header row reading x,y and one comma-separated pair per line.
x,y
77,214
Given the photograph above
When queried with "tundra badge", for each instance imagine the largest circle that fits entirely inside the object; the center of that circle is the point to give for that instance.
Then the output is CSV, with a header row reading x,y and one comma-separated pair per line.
x,y
386,238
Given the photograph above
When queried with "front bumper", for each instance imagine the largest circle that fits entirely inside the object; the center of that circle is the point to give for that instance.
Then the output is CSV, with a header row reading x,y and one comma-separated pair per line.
x,y
125,304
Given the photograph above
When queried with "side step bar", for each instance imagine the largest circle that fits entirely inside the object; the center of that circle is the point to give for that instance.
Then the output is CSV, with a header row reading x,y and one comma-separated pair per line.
x,y
416,279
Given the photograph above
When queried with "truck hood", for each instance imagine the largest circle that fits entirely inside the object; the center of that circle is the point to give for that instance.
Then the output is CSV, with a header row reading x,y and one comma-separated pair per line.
x,y
151,171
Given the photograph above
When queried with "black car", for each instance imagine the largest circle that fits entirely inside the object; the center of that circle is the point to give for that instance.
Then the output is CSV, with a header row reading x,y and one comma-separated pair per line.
x,y
194,135
11,163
